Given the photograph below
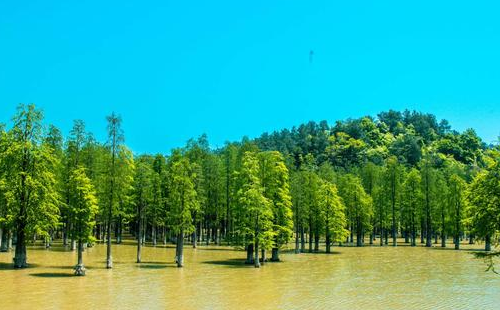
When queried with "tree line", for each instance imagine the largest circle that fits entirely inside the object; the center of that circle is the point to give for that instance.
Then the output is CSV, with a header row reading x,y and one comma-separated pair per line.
x,y
361,181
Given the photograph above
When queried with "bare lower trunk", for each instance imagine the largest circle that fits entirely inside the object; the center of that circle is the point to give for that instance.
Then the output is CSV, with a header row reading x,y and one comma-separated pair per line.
x,y
194,237
139,240
20,254
275,255
109,258
153,234
256,260
263,257
487,244
328,243
180,249
297,240
249,260
316,242
302,240
79,268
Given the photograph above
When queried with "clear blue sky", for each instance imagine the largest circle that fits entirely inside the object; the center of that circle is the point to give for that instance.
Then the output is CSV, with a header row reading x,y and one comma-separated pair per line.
x,y
177,69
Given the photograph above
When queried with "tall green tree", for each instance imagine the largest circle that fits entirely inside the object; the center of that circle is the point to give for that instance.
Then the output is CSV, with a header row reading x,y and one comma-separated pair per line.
x,y
30,180
333,213
359,206
182,199
115,139
256,209
143,196
82,212
274,178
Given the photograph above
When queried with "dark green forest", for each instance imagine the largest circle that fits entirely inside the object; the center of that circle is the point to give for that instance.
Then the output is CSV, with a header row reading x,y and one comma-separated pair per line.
x,y
367,181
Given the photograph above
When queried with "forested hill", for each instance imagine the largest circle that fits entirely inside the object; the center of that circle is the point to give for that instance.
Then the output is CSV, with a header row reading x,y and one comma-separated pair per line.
x,y
406,135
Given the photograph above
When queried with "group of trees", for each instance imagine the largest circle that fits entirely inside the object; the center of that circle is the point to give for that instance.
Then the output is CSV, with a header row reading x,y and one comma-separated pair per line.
x,y
398,175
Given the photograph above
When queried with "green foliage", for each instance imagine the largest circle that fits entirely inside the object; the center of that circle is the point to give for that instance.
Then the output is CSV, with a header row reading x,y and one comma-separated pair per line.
x,y
84,205
29,179
182,197
333,212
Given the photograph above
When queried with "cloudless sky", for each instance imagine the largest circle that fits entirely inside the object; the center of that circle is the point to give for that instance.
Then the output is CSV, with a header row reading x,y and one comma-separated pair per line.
x,y
176,69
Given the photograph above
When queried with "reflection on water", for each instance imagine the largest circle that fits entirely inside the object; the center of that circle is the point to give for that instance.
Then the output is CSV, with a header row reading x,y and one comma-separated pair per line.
x,y
216,278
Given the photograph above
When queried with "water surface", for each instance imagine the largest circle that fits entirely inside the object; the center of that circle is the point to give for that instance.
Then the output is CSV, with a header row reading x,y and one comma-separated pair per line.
x,y
216,278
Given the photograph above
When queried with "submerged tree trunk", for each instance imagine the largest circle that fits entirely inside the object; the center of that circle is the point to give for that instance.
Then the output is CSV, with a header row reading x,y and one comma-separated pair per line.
x,y
79,268
456,240
249,260
275,255
194,237
256,260
20,254
180,249
139,236
109,258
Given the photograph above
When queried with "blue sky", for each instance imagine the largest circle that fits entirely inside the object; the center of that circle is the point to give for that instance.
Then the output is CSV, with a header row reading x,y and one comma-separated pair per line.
x,y
177,69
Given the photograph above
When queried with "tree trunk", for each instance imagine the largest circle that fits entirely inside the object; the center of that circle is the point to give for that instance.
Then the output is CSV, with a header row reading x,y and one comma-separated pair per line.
x,y
139,236
310,238
316,241
275,255
256,260
443,240
79,268
328,242
487,244
153,233
20,254
263,257
109,258
249,260
5,241
194,237
457,242
180,249
302,240
297,239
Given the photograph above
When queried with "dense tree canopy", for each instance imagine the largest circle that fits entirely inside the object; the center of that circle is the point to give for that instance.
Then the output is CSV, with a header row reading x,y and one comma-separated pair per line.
x,y
396,175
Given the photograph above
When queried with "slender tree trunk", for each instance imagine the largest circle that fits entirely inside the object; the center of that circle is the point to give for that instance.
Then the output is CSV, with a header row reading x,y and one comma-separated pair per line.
x,y
80,268
153,233
310,237
109,258
263,257
194,237
302,240
139,235
316,241
256,260
328,241
180,249
5,241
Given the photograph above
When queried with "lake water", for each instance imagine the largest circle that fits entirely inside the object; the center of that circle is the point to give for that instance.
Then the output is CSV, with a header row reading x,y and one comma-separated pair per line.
x,y
216,278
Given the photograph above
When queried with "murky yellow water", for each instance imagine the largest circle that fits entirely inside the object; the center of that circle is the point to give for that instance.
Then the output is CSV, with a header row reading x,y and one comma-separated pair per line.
x,y
215,278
